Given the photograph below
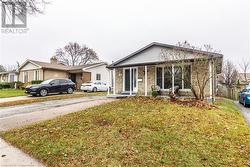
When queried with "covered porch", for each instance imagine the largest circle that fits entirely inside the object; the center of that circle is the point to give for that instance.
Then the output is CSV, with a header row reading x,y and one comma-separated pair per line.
x,y
139,80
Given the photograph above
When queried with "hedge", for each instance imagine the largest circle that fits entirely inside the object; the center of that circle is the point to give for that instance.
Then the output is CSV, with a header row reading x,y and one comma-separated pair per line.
x,y
6,85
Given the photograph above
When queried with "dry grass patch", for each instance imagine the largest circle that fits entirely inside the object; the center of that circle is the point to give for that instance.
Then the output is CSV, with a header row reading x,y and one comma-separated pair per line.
x,y
139,132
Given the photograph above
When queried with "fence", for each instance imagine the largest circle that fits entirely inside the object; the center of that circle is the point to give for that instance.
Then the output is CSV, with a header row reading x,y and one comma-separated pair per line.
x,y
231,93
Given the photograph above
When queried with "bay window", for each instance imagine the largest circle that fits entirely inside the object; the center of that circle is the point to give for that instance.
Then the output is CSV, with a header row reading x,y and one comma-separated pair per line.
x,y
182,77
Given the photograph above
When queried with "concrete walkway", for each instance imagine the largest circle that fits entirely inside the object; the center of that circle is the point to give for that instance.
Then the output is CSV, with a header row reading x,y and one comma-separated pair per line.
x,y
13,157
245,111
16,116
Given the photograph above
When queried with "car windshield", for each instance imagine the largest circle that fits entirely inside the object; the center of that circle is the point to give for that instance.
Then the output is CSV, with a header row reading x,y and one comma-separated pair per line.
x,y
248,90
47,81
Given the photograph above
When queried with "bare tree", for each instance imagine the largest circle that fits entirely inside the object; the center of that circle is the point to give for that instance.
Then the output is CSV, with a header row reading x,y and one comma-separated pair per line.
x,y
229,73
2,68
74,54
245,66
185,52
12,67
31,6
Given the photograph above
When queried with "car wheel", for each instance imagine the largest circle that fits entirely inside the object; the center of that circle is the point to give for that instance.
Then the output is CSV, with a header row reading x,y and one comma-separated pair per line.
x,y
43,92
70,91
94,89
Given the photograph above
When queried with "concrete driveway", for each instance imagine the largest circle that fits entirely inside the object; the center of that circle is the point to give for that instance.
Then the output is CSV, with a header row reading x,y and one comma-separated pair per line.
x,y
245,111
16,116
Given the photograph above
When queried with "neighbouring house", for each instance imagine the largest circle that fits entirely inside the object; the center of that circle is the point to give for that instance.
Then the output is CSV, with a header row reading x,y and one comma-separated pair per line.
x,y
138,72
9,76
242,79
37,70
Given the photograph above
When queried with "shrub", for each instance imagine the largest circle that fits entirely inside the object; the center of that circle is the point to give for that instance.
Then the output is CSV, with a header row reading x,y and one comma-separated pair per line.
x,y
36,81
5,85
155,93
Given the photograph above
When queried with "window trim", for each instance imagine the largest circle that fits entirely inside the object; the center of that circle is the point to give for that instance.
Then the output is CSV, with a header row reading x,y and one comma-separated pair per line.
x,y
170,65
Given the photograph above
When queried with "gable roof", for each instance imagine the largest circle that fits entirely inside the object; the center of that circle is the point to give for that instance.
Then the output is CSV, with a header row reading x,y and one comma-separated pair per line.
x,y
62,67
160,45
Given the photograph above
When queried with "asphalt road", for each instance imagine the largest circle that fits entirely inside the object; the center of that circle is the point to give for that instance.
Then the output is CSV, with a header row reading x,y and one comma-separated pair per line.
x,y
245,111
15,116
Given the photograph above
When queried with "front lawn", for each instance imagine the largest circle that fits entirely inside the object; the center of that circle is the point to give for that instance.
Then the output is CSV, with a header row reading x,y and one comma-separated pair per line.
x,y
51,97
11,92
139,132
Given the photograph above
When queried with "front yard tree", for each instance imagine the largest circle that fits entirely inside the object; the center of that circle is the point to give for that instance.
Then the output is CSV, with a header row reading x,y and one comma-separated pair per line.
x,y
2,69
74,54
229,73
180,56
31,6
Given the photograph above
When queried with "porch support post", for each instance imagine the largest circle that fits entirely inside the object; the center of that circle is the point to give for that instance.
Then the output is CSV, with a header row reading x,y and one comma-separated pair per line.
x,y
130,80
109,81
146,81
114,81
172,78
210,79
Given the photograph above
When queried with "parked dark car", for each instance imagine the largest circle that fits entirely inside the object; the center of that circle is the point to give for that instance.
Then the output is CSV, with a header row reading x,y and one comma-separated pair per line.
x,y
245,97
51,86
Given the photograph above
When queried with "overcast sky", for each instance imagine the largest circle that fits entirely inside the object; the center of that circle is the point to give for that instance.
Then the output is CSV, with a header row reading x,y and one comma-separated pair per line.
x,y
115,28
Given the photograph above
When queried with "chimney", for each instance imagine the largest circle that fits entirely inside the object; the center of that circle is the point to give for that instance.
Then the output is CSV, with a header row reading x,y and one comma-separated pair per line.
x,y
53,60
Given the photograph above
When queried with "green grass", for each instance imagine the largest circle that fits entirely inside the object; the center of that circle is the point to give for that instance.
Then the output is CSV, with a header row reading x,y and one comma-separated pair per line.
x,y
11,92
51,97
139,132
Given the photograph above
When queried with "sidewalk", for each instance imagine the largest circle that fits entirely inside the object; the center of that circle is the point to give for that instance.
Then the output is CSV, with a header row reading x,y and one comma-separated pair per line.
x,y
11,156
8,99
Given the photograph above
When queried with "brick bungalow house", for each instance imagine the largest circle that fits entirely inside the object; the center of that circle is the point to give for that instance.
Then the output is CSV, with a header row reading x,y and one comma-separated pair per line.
x,y
37,70
139,71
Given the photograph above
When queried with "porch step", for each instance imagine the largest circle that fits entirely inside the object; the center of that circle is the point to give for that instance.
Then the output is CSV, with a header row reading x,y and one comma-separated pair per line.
x,y
127,93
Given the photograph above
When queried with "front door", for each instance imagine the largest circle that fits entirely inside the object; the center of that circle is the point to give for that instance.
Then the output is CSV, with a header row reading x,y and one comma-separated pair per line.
x,y
127,78
73,77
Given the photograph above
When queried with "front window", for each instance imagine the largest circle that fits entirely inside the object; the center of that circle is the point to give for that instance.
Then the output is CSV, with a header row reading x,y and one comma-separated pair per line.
x,y
159,76
12,77
182,77
98,77
36,75
178,76
167,77
25,76
187,77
